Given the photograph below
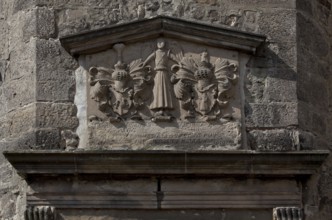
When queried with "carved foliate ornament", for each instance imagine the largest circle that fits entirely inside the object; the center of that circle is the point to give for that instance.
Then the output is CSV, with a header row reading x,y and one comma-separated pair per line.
x,y
200,87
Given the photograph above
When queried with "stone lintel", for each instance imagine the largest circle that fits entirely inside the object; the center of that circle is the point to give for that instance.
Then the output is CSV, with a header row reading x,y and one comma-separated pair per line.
x,y
161,26
171,193
166,163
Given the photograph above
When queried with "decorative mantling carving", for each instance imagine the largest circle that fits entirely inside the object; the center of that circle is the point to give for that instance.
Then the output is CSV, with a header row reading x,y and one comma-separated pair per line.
x,y
40,213
287,213
118,91
201,87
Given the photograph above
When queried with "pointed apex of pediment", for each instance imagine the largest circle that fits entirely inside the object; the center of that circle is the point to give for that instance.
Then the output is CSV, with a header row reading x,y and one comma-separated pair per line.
x,y
161,26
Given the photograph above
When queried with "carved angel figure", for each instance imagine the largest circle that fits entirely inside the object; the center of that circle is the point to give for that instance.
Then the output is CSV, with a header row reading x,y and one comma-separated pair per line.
x,y
203,86
118,90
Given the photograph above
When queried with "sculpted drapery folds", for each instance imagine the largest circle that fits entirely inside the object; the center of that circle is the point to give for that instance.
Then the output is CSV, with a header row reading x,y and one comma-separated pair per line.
x,y
201,87
162,101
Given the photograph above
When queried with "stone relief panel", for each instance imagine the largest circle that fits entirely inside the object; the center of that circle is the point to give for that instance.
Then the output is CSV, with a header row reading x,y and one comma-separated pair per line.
x,y
157,92
201,88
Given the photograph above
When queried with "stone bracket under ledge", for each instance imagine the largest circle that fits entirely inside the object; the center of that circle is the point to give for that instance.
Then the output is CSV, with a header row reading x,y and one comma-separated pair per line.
x,y
287,213
166,163
40,213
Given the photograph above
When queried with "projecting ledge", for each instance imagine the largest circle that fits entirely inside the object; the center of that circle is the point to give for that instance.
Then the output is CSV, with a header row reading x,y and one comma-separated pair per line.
x,y
161,26
166,163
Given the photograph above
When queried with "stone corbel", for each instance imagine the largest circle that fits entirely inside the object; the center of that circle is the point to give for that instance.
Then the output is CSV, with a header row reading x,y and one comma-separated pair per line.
x,y
40,213
287,213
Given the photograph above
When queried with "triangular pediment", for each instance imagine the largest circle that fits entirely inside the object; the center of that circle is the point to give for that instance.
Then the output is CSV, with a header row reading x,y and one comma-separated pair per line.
x,y
170,82
216,36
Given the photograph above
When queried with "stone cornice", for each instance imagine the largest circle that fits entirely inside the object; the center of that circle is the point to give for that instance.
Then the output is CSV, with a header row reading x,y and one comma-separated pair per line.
x,y
166,163
161,26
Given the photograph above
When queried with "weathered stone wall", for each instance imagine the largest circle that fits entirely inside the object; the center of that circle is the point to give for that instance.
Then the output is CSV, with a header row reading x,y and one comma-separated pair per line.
x,y
314,40
271,104
36,79
17,102
286,86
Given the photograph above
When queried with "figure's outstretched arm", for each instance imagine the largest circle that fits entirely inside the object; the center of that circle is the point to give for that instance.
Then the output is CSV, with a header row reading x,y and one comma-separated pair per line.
x,y
150,57
95,70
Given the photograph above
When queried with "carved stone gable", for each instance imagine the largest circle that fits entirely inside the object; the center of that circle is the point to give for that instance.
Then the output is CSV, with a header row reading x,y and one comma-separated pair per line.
x,y
162,83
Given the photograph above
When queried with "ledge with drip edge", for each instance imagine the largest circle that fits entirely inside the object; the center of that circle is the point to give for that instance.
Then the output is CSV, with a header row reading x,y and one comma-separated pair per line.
x,y
166,163
161,26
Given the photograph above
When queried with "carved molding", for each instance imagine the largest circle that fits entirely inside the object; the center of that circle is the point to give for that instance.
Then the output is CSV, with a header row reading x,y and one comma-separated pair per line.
x,y
149,163
287,213
45,165
40,213
212,35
